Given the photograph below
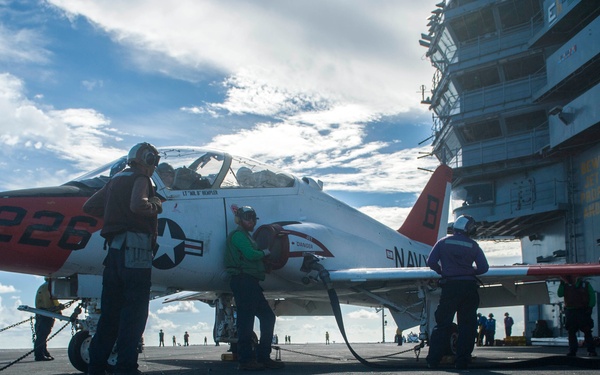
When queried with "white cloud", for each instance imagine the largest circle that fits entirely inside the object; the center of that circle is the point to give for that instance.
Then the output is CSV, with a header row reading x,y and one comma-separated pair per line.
x,y
156,323
245,94
393,217
9,315
323,69
393,172
7,289
91,85
280,56
179,307
201,326
363,314
74,135
25,45
308,150
502,253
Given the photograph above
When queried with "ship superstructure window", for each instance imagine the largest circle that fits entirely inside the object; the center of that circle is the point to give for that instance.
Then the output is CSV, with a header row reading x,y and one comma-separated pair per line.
x,y
481,131
446,46
524,67
474,194
478,79
474,25
517,13
447,103
525,122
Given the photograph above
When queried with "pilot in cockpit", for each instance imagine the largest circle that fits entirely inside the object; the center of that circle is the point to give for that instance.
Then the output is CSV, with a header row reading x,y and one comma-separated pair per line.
x,y
245,177
166,174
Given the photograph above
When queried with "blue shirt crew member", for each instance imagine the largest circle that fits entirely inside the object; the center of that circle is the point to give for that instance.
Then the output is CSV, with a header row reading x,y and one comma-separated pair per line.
x,y
129,207
490,330
452,257
244,262
481,323
508,324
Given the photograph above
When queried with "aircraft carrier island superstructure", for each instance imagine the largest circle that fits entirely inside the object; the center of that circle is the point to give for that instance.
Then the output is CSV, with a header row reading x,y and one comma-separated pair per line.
x,y
516,112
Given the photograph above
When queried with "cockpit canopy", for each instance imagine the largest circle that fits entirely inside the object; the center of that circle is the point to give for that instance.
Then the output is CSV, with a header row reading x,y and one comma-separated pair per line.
x,y
194,168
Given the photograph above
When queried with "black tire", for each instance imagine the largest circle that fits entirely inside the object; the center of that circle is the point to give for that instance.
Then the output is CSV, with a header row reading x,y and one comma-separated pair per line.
x,y
451,345
78,350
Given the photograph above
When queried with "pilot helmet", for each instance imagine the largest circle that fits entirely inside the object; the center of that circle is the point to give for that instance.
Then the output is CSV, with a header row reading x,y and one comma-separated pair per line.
x,y
246,213
164,168
465,224
143,154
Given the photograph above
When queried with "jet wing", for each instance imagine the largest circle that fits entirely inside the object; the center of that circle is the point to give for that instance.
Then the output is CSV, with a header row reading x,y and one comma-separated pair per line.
x,y
494,275
501,285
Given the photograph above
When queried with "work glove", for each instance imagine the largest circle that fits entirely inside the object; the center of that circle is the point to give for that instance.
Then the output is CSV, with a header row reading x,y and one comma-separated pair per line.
x,y
266,252
156,201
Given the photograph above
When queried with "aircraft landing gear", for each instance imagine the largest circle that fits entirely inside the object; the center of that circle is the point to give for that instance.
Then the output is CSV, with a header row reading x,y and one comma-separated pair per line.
x,y
225,325
224,329
78,350
79,354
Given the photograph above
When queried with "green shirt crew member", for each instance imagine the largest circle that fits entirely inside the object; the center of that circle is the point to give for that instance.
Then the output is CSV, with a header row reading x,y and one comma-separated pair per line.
x,y
243,255
244,262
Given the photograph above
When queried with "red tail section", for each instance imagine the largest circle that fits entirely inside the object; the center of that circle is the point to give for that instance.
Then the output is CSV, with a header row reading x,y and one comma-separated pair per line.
x,y
431,210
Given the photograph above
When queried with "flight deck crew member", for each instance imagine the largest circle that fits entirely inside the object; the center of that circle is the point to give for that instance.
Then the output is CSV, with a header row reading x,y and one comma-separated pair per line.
x,y
244,262
44,324
580,299
490,330
452,257
161,338
508,323
129,208
481,324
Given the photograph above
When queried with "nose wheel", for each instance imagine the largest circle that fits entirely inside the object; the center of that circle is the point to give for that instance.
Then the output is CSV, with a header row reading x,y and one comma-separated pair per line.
x,y
78,352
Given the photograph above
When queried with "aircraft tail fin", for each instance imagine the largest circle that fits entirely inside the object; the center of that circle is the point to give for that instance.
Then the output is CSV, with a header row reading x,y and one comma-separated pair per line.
x,y
428,219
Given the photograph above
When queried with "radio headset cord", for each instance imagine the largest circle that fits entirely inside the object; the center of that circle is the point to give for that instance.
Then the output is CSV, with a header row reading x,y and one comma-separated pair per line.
x,y
311,262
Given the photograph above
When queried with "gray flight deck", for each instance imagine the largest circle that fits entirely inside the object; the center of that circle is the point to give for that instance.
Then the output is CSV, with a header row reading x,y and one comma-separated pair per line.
x,y
325,359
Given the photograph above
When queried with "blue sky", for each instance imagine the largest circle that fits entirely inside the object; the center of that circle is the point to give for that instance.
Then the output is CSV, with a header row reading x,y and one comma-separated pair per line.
x,y
327,89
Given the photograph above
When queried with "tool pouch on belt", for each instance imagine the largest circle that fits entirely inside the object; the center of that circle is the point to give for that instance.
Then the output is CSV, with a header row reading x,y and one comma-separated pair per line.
x,y
138,250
